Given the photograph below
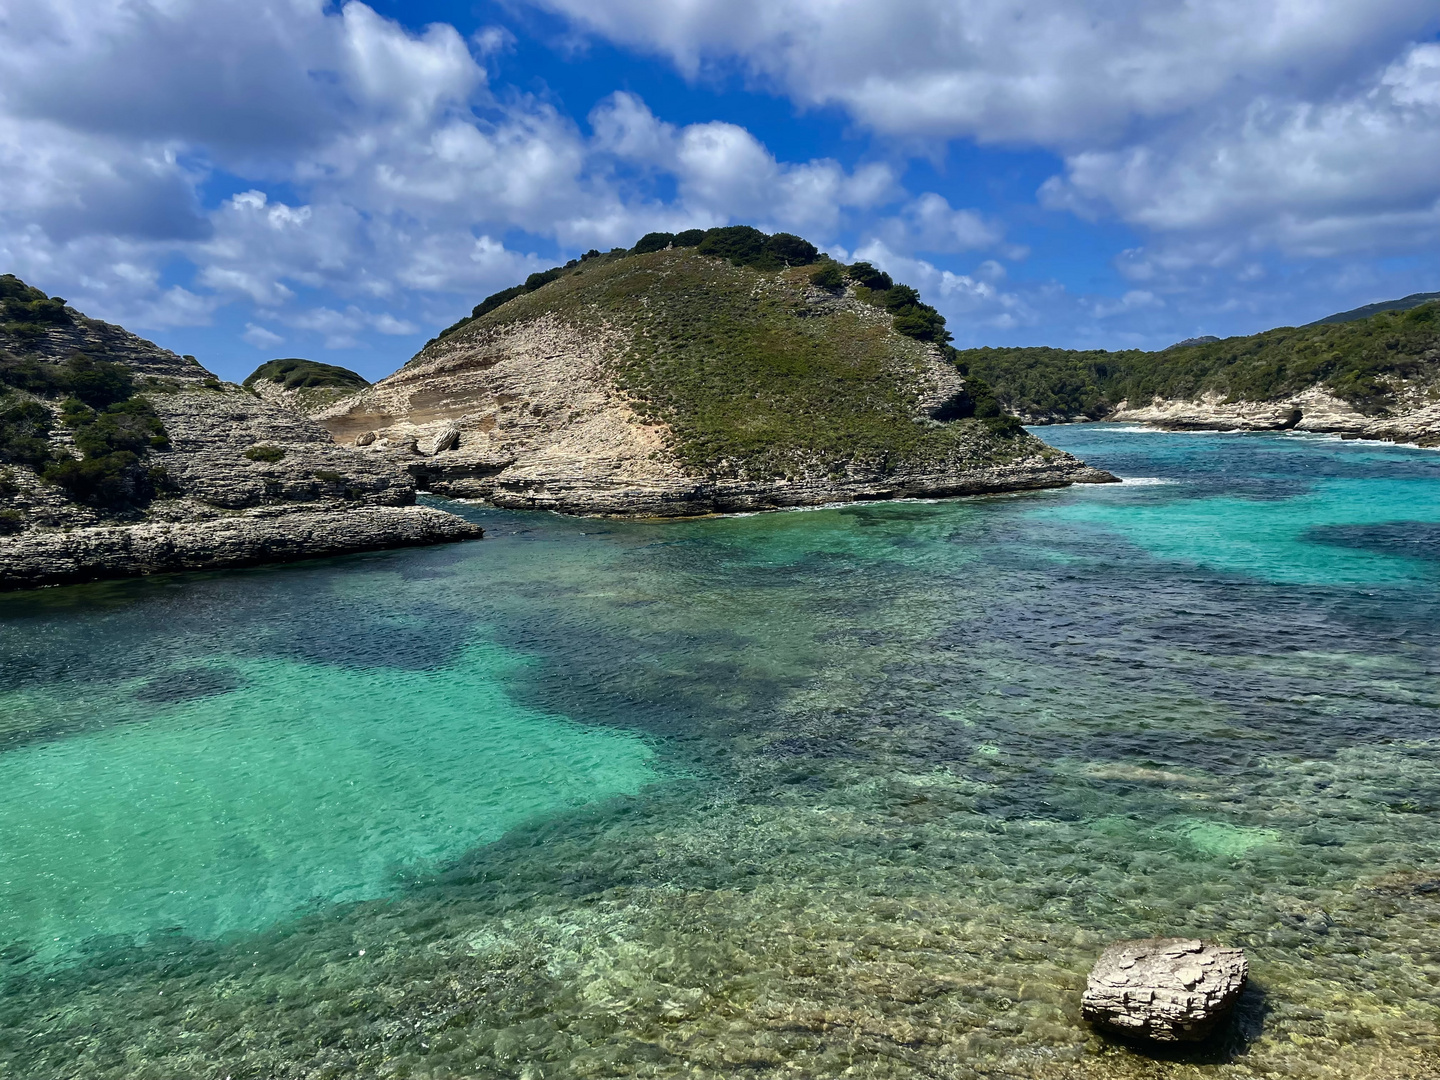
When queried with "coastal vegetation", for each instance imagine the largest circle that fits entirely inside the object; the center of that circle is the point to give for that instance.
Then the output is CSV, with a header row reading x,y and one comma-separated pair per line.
x,y
95,401
1365,361
746,246
297,374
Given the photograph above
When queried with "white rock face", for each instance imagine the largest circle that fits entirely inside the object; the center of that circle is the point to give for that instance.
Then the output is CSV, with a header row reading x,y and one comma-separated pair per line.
x,y
526,416
1314,410
1164,989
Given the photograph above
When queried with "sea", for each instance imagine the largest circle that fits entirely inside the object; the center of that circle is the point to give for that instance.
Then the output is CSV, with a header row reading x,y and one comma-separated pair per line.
x,y
853,791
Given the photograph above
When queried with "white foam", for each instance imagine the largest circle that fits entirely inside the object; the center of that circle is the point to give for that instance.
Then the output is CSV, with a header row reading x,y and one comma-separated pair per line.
x,y
1147,481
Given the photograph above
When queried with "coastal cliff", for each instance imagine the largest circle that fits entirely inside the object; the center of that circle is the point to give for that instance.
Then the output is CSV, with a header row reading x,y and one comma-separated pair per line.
x,y
1371,373
120,458
677,380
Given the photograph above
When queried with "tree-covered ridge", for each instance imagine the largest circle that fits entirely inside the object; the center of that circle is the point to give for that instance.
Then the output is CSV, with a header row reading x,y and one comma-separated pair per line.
x,y
753,372
743,245
294,373
1367,362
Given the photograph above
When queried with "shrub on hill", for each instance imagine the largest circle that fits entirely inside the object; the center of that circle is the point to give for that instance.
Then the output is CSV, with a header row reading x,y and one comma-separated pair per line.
x,y
111,474
689,238
26,311
828,276
866,276
24,432
112,427
655,241
296,374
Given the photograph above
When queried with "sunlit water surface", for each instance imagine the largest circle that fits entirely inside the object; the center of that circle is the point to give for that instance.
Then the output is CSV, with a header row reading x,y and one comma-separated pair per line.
x,y
858,791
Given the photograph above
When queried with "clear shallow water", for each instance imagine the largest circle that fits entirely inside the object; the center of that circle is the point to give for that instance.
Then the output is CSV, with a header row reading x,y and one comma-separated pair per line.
x,y
857,789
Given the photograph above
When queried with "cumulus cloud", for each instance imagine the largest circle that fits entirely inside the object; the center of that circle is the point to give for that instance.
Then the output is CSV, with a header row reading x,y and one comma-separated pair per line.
x,y
722,171
1049,71
1358,172
1313,127
402,169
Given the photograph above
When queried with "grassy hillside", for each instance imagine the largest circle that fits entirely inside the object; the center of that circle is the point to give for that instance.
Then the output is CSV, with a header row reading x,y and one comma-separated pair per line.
x,y
1373,363
767,362
1414,300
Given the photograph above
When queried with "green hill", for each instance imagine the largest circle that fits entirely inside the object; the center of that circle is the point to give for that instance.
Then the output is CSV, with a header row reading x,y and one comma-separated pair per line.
x,y
748,361
1405,304
1373,362
297,374
702,371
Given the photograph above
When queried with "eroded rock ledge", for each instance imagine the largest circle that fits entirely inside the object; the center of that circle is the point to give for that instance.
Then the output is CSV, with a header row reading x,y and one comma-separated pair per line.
x,y
1315,410
233,540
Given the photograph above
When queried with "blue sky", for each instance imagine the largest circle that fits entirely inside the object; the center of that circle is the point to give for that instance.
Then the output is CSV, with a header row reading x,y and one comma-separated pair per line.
x,y
243,180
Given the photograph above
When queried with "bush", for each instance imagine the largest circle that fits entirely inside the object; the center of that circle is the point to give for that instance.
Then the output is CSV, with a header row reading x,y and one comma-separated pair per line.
x,y
267,454
26,311
11,522
113,441
1005,425
541,279
828,276
8,488
25,433
655,241
862,273
108,482
689,238
790,250
98,383
741,244
329,476
130,426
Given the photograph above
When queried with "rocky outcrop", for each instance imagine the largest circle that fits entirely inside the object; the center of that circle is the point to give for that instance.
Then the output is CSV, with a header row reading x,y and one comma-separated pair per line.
x,y
266,535
527,415
1314,410
1164,989
242,480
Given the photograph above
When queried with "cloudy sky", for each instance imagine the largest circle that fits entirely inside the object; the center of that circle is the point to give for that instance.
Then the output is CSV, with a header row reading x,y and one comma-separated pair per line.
x,y
243,179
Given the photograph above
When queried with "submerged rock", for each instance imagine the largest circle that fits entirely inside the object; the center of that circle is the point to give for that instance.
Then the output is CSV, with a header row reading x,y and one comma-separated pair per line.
x,y
1164,989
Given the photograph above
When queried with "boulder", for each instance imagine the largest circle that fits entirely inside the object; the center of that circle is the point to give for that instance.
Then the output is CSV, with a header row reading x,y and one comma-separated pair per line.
x,y
447,439
1164,989
365,438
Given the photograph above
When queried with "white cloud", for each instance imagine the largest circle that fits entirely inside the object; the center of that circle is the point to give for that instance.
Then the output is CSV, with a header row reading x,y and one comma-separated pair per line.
x,y
929,223
968,301
405,169
260,337
1312,126
1058,72
1355,173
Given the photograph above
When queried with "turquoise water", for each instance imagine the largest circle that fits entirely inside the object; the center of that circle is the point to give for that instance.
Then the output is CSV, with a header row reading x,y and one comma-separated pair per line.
x,y
856,791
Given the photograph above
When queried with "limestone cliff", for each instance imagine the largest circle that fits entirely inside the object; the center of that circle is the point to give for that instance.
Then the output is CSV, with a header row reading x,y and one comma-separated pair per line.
x,y
672,382
118,457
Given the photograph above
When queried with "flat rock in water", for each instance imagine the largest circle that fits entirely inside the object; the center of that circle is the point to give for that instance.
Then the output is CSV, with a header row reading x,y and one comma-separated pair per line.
x,y
1164,989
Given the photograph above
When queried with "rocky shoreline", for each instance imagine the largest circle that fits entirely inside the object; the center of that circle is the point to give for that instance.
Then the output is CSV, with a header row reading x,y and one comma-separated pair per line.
x,y
1315,411
232,480
249,538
